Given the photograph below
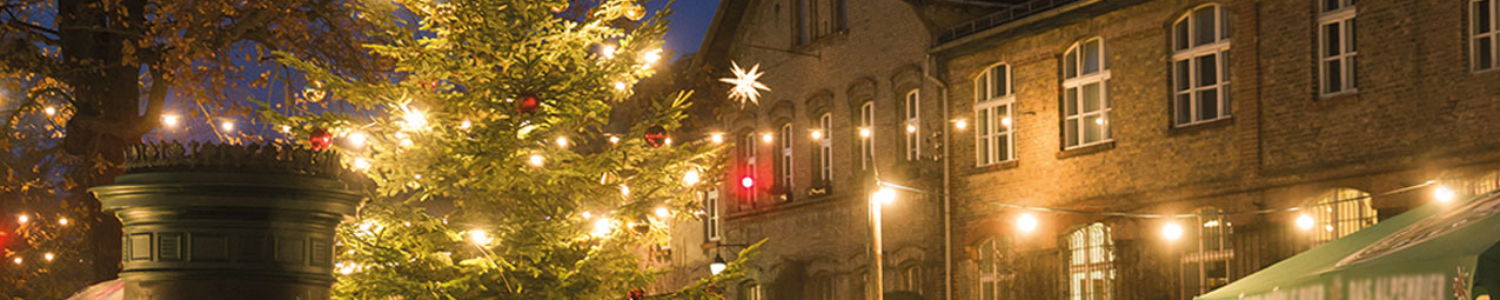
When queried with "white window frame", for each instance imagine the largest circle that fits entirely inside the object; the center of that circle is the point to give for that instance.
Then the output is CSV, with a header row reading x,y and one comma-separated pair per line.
x,y
1348,56
1076,84
991,132
866,144
1493,35
910,278
1189,54
750,151
750,290
825,146
991,255
913,102
1212,237
711,209
1090,257
1339,213
786,157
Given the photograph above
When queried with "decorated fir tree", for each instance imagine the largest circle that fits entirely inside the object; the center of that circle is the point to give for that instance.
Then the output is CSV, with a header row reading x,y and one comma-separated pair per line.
x,y
495,173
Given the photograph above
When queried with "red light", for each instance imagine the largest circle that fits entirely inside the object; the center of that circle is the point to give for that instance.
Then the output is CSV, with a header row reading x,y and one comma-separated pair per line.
x,y
747,182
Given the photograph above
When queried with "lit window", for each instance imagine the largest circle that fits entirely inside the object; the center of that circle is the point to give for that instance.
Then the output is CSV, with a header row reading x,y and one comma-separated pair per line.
x,y
784,165
913,125
994,268
1085,95
1336,47
1205,264
1090,259
1486,42
825,149
711,214
866,134
1339,213
1200,66
993,99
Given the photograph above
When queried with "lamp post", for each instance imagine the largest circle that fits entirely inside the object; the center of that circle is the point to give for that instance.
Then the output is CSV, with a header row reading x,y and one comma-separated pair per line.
x,y
719,264
884,195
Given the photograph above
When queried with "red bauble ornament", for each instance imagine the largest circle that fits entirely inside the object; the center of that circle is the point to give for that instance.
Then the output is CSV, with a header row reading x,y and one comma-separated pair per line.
x,y
320,139
528,103
656,136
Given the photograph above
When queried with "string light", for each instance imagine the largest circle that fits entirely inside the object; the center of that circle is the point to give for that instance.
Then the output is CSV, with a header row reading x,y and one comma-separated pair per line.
x,y
653,56
1005,121
48,256
767,137
1444,194
406,143
227,125
357,139
885,195
691,177
717,138
23,219
347,268
561,142
601,227
587,215
18,260
1027,223
614,140
817,134
169,120
625,190
864,132
1171,231
668,141
537,160
663,212
1099,121
960,124
361,163
620,85
62,221
51,111
286,128
608,51
415,119
1328,227
465,125
479,237
911,128
1304,221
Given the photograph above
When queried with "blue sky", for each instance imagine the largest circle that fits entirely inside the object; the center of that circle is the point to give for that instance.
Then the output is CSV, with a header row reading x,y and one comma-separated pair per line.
x,y
689,23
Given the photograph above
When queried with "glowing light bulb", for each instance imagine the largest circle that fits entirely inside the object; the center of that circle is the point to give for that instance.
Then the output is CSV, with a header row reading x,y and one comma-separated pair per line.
x,y
817,134
18,260
23,219
911,128
624,190
1099,121
717,138
747,182
691,177
1005,121
602,227
620,85
537,160
465,125
1171,231
561,141
1027,223
1211,223
479,237
361,163
587,215
169,120
885,195
358,139
227,125
62,221
406,143
48,256
1328,228
614,140
51,111
1444,194
668,141
347,268
286,128
415,119
864,132
960,124
767,137
652,56
663,212
608,51
1305,222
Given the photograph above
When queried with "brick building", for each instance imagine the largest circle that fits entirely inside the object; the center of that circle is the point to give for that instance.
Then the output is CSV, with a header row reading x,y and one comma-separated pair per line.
x,y
1202,110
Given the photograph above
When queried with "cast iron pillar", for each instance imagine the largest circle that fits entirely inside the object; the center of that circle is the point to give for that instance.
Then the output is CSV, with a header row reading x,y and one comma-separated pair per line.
x,y
228,222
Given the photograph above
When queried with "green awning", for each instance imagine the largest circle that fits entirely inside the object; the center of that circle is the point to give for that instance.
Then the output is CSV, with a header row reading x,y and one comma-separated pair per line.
x,y
1435,252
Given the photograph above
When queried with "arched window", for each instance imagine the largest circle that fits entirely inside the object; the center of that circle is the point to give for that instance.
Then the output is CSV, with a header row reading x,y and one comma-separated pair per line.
x,y
1338,213
913,125
1090,260
866,134
1205,262
993,99
994,268
825,148
1200,66
909,278
784,162
748,152
822,287
1085,94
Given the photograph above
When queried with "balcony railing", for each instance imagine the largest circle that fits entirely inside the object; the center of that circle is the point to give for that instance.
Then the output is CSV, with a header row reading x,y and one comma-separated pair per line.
x,y
1005,15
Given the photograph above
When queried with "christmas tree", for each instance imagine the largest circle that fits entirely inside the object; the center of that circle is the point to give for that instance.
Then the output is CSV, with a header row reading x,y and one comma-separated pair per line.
x,y
495,173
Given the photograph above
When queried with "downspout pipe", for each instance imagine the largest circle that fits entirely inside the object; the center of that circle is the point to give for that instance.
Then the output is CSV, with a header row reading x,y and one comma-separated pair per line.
x,y
942,89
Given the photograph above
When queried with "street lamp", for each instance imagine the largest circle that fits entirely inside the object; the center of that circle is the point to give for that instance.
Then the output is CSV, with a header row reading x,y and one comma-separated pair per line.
x,y
718,265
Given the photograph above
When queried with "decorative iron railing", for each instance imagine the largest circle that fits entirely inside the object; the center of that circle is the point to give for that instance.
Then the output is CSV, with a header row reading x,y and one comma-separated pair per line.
x,y
1005,15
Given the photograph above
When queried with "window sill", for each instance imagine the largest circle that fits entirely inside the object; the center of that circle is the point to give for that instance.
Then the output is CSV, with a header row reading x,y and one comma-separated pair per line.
x,y
1340,95
1201,126
995,167
1086,150
1326,101
816,42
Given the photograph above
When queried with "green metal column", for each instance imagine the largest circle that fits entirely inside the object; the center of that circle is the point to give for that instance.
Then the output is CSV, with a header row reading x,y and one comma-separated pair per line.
x,y
229,222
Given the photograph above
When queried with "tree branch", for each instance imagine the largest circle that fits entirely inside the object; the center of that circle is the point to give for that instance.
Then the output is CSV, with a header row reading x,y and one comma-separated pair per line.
x,y
156,97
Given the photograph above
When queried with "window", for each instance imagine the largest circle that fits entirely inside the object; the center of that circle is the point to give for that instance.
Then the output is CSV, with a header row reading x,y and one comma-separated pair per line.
x,y
866,134
1486,42
822,287
818,18
711,215
1090,259
1085,99
747,156
1200,66
825,148
910,278
994,268
1205,262
784,174
1339,213
749,290
993,99
1336,47
913,125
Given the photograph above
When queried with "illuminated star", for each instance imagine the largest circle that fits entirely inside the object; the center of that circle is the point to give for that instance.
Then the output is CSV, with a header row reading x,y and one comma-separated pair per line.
x,y
746,88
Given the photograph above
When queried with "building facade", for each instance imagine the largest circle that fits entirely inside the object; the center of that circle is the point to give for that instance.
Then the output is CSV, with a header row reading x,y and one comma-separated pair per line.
x,y
1084,149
